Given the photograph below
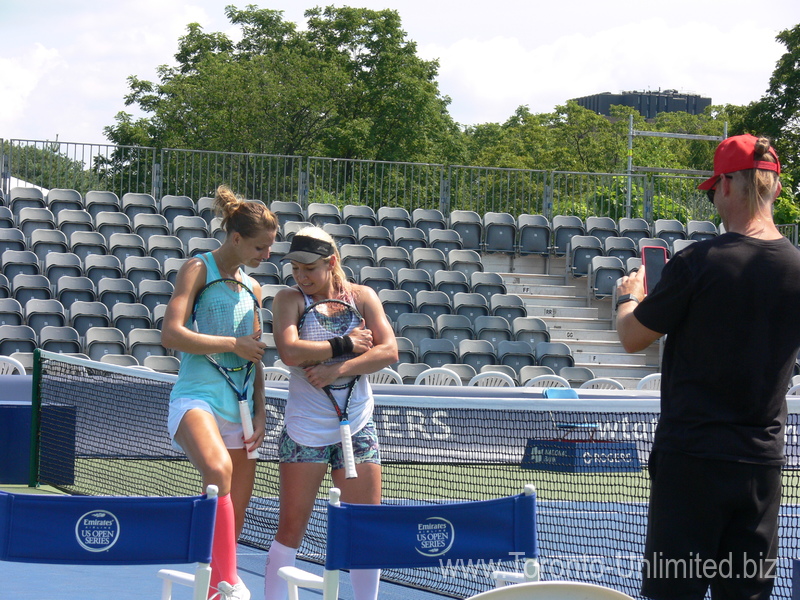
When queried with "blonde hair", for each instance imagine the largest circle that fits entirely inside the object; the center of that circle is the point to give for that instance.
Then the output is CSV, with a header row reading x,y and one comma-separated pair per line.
x,y
243,217
760,185
342,287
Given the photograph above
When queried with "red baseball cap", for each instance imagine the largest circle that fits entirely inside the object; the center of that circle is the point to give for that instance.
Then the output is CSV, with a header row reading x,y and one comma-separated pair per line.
x,y
737,153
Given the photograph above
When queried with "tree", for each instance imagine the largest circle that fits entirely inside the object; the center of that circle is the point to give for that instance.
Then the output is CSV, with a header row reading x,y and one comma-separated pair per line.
x,y
777,113
350,86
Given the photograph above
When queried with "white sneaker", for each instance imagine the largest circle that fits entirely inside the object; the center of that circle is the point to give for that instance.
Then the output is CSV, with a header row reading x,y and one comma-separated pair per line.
x,y
237,591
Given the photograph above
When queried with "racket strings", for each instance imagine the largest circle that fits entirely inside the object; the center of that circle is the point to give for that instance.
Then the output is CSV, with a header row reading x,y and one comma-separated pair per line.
x,y
227,308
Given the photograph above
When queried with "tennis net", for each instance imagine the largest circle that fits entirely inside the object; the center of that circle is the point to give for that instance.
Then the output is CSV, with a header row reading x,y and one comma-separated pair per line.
x,y
102,430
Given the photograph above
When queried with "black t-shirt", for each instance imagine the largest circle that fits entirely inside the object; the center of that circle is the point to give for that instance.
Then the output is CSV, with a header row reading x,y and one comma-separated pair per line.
x,y
731,310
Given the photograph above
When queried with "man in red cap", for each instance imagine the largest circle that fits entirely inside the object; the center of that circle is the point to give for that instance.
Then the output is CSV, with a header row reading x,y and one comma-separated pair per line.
x,y
730,308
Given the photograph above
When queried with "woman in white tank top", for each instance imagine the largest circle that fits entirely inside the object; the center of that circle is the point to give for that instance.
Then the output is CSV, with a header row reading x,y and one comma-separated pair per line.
x,y
310,440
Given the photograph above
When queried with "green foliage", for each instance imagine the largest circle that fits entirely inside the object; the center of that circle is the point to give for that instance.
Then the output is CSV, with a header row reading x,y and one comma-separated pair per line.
x,y
350,86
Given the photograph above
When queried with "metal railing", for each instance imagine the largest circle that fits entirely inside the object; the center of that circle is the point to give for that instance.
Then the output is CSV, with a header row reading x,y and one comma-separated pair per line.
x,y
194,173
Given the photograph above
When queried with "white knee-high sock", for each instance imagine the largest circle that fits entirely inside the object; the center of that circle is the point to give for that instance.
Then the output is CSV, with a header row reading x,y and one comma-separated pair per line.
x,y
275,587
365,583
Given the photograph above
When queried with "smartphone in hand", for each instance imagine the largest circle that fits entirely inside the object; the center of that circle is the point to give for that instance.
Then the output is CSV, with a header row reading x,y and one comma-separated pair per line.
x,y
653,259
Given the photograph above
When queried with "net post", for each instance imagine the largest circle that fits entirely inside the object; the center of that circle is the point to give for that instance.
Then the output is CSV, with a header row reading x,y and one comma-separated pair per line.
x,y
36,413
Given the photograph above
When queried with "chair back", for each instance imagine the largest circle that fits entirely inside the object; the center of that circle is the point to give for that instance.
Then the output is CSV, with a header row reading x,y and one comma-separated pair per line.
x,y
422,535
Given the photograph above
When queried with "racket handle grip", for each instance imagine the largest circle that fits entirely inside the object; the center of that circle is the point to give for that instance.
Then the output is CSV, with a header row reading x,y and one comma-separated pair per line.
x,y
247,425
347,450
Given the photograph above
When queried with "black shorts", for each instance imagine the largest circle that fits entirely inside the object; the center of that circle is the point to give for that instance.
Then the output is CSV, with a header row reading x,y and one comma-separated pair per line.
x,y
711,522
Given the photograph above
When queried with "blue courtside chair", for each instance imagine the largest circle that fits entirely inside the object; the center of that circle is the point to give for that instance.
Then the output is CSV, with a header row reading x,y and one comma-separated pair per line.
x,y
112,530
368,536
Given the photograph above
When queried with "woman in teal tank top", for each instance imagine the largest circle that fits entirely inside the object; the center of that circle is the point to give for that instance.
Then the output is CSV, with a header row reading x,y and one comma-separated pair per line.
x,y
209,434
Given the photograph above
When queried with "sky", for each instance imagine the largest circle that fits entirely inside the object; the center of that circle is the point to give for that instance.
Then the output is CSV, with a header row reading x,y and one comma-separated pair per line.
x,y
64,64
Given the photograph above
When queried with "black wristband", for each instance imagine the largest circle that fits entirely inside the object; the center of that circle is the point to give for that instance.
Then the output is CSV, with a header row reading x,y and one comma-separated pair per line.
x,y
347,344
337,346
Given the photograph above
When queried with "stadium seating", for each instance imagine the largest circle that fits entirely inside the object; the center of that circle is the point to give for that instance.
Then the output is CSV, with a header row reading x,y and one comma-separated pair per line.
x,y
393,217
445,240
320,214
454,328
97,201
492,329
58,199
580,251
451,282
409,238
11,312
437,352
508,306
499,232
172,206
358,215
534,234
427,219
564,228
432,303
469,226
601,227
57,264
374,237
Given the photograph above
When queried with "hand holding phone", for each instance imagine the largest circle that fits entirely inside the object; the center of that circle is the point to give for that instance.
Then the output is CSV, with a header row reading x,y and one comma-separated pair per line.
x,y
653,259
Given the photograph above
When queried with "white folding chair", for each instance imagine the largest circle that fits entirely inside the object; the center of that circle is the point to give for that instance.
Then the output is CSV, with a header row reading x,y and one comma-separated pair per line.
x,y
650,382
492,379
385,375
552,590
11,366
113,530
376,536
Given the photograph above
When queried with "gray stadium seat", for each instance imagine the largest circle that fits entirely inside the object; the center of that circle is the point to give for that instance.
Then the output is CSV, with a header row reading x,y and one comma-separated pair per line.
x,y
320,213
477,353
410,371
200,245
126,316
145,342
341,233
110,222
601,227
499,232
25,287
604,272
138,268
100,266
15,262
12,239
104,340
451,282
530,329
147,224
634,228
555,355
405,351
30,219
60,339
98,201
414,280
7,220
163,364
487,284
171,206
75,289
356,256
534,234
508,306
469,226
85,315
393,257
470,304
427,219
393,217
112,291
431,260
44,313
409,238
205,209
46,241
492,329
466,261
11,312
162,247
454,328
58,264
123,245
135,203
265,273
25,197
515,354
445,240
621,247
121,360
378,278
437,352
151,292
701,230
396,303
16,338
84,243
287,211
374,236
415,327
432,303
669,230
580,251
187,227
576,375
69,221
564,227
358,215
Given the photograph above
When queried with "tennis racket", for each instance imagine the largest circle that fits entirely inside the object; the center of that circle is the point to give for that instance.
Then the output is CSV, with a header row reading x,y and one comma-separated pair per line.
x,y
320,322
227,307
